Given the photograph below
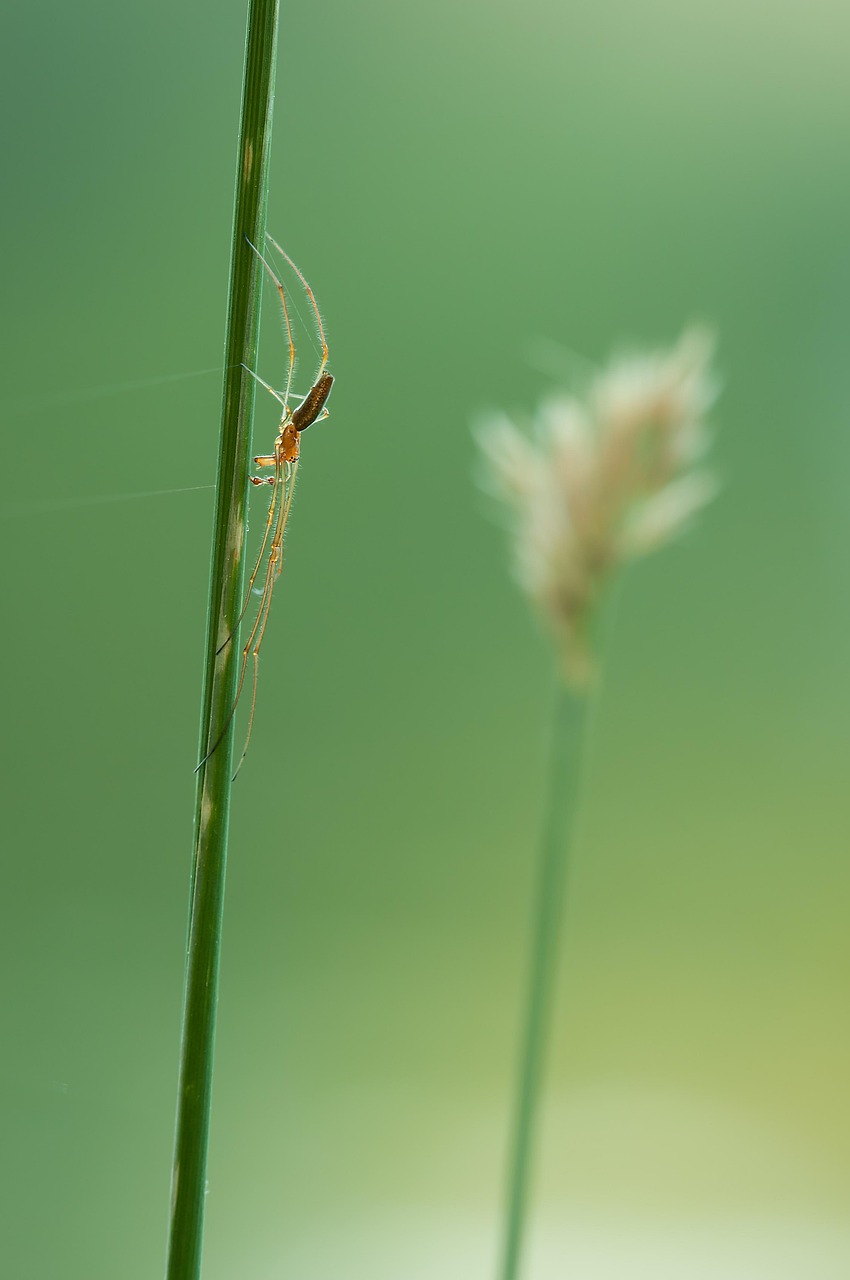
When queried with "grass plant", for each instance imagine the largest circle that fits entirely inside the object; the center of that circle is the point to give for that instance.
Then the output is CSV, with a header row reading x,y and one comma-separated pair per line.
x,y
607,476
212,805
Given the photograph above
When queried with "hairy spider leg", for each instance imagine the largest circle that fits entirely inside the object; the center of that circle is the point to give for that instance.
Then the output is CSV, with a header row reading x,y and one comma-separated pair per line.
x,y
255,640
275,503
311,295
269,522
292,422
281,510
283,480
312,409
273,569
285,462
283,401
282,295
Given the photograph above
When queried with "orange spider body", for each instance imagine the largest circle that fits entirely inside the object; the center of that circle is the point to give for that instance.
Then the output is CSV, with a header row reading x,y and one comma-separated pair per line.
x,y
287,445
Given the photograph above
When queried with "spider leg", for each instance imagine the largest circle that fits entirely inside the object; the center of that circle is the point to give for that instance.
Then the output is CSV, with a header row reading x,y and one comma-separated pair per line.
x,y
267,386
277,506
313,303
256,569
282,294
273,569
284,460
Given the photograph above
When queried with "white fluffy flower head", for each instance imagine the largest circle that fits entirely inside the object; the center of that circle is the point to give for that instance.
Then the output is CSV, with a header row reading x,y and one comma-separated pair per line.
x,y
603,478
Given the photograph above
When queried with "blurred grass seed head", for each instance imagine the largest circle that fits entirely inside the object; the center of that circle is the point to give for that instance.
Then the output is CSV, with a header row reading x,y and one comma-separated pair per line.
x,y
604,476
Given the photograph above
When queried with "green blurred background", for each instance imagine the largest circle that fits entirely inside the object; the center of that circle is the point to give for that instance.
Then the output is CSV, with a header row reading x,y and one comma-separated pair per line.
x,y
455,179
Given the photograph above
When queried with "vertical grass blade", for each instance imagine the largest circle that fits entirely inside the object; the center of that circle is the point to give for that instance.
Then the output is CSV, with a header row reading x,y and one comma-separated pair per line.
x,y
566,748
212,812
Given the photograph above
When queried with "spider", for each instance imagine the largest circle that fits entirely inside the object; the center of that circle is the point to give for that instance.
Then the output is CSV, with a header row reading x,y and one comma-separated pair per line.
x,y
284,460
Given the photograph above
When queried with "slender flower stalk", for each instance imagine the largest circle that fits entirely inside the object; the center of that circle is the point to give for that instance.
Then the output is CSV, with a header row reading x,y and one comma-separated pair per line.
x,y
567,737
604,478
212,812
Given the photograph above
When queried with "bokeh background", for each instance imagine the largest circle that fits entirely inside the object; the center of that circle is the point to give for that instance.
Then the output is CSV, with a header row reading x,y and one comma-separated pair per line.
x,y
456,179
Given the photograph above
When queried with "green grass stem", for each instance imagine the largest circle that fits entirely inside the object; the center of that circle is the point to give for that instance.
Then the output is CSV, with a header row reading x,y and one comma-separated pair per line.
x,y
568,731
212,812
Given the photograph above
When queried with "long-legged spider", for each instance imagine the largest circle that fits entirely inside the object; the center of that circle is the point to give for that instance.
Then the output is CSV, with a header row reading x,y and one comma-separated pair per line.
x,y
284,460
